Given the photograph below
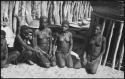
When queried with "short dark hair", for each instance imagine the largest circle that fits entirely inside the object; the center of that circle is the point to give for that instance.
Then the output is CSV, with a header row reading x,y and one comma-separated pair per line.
x,y
65,22
98,26
43,17
24,27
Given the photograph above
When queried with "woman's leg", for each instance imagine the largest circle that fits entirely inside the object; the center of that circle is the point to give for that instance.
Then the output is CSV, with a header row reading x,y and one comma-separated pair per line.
x,y
42,60
12,56
25,56
92,67
60,60
69,61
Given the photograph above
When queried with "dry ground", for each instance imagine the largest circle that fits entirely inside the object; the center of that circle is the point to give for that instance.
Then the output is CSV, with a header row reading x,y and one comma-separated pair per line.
x,y
34,71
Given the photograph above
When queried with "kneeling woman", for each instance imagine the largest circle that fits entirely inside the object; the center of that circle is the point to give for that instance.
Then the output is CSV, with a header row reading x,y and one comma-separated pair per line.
x,y
94,50
64,47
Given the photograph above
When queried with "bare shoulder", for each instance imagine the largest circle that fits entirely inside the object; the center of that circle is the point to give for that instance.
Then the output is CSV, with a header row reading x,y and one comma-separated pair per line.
x,y
69,34
48,29
37,31
103,38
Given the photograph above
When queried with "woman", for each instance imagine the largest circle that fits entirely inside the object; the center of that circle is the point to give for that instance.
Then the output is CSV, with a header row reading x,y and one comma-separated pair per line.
x,y
43,39
64,47
94,50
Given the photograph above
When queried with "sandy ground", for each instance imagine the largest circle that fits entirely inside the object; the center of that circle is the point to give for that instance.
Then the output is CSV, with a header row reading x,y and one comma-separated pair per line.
x,y
34,71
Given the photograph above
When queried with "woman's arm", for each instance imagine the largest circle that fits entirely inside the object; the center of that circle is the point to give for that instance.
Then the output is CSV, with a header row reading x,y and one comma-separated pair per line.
x,y
71,43
103,45
35,34
50,41
19,36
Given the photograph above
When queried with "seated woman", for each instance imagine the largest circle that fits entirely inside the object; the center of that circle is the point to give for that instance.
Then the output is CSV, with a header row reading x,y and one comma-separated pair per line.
x,y
94,50
7,55
24,42
64,46
43,39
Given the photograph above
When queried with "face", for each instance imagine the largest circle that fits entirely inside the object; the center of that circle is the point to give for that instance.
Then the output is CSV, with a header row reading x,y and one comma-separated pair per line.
x,y
97,30
44,23
65,27
28,34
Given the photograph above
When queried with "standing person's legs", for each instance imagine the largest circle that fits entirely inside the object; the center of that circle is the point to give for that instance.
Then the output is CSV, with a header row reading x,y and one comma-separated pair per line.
x,y
69,61
60,59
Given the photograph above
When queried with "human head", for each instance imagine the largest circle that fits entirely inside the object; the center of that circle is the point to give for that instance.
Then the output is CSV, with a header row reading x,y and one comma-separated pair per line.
x,y
26,32
3,34
97,29
65,25
4,24
43,21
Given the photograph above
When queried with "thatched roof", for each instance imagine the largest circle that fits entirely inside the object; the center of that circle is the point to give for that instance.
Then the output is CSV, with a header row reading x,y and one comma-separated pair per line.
x,y
113,9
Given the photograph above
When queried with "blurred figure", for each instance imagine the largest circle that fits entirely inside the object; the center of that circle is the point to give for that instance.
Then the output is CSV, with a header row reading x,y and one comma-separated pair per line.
x,y
7,56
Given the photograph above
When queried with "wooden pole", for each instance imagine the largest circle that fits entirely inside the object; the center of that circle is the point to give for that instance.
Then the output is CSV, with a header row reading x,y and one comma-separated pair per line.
x,y
11,6
44,8
61,3
121,57
109,28
103,27
2,11
28,12
56,13
6,10
14,18
117,45
109,43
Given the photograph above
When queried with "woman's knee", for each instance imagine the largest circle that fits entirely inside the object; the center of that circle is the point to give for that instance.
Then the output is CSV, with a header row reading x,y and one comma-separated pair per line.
x,y
62,65
91,71
17,53
69,62
47,65
53,63
70,65
29,53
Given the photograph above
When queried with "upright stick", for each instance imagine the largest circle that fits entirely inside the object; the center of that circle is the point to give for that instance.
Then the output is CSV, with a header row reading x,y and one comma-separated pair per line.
x,y
109,43
117,45
103,27
121,57
14,18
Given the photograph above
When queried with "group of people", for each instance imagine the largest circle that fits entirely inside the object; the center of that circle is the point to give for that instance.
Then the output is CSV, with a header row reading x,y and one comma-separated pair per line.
x,y
36,43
